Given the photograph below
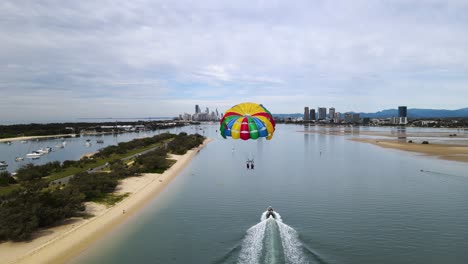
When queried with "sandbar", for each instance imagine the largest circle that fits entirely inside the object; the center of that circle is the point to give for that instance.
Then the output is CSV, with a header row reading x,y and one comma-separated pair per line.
x,y
443,151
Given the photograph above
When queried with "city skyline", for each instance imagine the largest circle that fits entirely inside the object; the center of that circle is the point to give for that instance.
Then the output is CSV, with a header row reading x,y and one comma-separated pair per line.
x,y
149,58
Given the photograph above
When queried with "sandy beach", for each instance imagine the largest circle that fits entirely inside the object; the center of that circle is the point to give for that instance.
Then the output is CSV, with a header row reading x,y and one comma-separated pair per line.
x,y
61,243
442,151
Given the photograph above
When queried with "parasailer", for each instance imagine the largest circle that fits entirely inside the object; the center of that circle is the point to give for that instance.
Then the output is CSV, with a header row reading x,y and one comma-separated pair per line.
x,y
247,121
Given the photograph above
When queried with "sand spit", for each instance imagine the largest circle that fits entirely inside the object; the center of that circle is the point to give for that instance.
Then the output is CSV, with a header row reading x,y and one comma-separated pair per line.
x,y
442,151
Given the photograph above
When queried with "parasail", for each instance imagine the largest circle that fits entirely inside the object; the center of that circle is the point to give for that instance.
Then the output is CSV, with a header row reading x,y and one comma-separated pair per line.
x,y
247,121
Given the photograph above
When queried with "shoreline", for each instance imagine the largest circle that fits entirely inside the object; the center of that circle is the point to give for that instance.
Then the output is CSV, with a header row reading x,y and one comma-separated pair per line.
x,y
450,152
441,144
62,243
36,137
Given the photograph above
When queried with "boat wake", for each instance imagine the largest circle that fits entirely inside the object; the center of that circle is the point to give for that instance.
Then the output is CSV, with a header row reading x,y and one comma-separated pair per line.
x,y
271,241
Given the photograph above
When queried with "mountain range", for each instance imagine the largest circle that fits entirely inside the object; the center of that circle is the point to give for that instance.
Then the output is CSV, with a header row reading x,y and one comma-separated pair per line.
x,y
412,113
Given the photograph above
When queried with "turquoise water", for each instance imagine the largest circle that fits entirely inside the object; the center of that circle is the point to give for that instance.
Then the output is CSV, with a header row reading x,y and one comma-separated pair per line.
x,y
338,201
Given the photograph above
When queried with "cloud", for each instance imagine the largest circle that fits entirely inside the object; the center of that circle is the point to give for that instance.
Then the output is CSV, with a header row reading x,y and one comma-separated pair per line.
x,y
359,55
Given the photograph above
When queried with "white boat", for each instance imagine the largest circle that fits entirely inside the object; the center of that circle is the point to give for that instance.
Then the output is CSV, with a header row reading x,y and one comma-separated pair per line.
x,y
19,159
61,145
3,164
34,155
44,150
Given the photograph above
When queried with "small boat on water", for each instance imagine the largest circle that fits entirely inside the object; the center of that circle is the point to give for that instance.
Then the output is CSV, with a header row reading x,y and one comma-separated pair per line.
x,y
270,212
19,159
59,146
100,141
44,150
34,155
3,164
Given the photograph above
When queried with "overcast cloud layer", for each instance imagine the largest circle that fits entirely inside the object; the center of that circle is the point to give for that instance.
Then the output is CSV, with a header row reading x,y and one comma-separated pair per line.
x,y
69,59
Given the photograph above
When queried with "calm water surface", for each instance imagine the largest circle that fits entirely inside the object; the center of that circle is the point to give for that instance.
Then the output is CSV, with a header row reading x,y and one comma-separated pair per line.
x,y
340,202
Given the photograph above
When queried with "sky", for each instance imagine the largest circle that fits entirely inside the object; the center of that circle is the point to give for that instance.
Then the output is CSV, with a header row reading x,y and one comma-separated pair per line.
x,y
70,59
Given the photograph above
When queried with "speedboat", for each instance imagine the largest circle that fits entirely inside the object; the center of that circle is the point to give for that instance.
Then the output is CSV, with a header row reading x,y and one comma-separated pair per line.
x,y
19,158
270,212
3,164
34,155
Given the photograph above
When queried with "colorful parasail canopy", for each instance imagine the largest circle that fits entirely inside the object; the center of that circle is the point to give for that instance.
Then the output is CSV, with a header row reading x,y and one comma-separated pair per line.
x,y
247,121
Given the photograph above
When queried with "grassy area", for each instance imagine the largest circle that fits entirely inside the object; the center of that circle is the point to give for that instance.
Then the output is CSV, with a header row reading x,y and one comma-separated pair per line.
x,y
99,162
110,199
4,190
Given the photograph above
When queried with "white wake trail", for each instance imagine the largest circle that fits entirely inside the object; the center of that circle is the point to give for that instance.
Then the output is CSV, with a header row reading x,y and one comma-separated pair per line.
x,y
252,245
252,248
292,246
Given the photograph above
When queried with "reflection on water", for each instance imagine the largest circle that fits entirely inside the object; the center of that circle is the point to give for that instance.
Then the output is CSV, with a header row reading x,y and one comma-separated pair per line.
x,y
401,134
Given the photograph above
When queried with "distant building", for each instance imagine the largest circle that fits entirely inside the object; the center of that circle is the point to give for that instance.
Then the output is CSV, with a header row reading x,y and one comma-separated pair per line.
x,y
322,113
331,113
403,115
336,118
356,118
306,113
366,121
197,109
312,114
186,117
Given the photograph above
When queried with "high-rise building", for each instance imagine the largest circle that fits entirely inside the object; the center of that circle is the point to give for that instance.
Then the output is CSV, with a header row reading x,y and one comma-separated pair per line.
x,y
402,111
331,113
306,113
312,114
197,109
403,115
322,113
